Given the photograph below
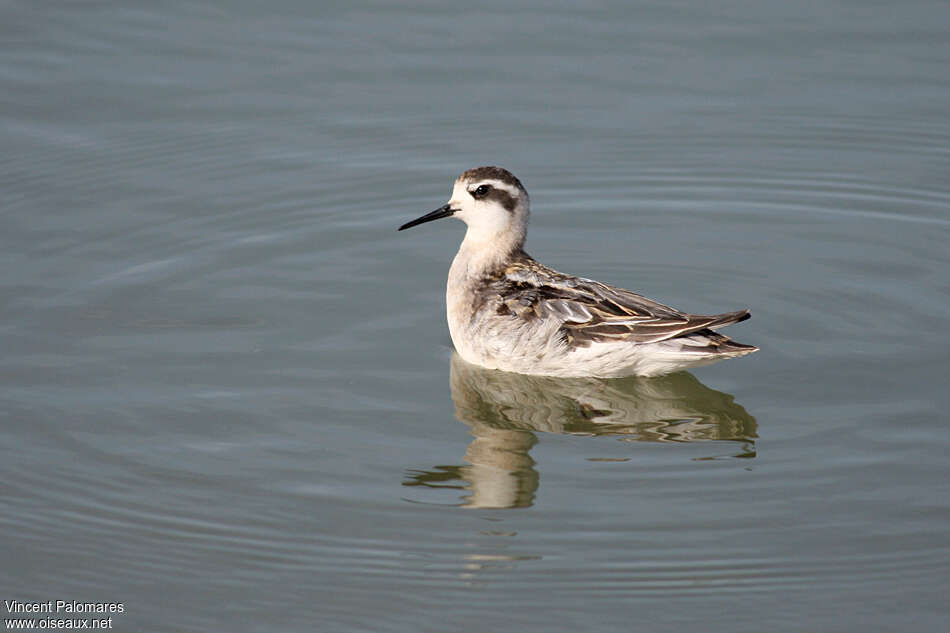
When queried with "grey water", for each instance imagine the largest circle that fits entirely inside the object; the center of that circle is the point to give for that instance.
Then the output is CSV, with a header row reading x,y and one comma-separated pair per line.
x,y
228,398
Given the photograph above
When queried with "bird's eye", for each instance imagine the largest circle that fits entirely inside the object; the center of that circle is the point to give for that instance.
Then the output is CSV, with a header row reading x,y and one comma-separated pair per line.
x,y
481,191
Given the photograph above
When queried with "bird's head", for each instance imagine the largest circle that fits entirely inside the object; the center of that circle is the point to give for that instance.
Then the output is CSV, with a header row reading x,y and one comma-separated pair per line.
x,y
491,201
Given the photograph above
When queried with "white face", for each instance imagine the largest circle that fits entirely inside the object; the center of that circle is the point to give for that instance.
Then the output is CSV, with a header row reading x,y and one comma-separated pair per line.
x,y
481,204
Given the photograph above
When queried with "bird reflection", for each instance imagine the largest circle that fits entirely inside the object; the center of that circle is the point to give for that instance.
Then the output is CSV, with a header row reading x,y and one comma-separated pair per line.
x,y
505,410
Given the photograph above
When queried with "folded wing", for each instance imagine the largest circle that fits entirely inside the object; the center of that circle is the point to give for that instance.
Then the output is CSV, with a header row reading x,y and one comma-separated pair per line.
x,y
594,312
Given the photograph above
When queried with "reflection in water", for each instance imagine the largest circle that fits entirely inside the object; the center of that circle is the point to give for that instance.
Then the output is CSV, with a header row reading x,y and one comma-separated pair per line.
x,y
505,410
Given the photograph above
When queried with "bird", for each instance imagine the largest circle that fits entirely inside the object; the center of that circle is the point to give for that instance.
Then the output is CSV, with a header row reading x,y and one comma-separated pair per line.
x,y
507,311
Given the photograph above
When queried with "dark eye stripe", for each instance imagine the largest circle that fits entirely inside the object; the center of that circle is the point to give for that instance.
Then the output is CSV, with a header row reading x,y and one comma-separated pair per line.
x,y
502,197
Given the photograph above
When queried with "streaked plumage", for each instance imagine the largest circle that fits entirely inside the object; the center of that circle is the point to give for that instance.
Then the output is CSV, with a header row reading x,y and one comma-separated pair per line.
x,y
507,311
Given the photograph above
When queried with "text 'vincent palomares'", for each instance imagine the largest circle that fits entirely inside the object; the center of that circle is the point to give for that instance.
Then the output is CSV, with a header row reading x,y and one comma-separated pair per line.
x,y
63,606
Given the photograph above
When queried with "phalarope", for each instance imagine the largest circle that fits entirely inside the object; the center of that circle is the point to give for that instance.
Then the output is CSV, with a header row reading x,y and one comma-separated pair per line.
x,y
507,311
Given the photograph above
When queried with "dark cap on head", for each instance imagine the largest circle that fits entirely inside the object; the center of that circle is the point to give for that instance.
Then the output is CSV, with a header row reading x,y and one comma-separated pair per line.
x,y
495,173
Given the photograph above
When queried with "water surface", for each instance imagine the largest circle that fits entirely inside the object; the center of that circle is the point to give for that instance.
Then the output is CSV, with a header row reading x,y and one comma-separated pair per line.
x,y
229,399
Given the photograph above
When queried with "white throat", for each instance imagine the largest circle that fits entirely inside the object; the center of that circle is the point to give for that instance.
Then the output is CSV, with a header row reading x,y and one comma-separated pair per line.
x,y
483,250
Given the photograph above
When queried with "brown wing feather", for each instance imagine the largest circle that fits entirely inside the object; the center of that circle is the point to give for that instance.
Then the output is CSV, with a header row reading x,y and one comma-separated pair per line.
x,y
595,312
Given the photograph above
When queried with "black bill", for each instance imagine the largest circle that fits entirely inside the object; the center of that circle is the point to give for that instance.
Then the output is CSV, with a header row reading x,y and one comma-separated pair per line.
x,y
441,212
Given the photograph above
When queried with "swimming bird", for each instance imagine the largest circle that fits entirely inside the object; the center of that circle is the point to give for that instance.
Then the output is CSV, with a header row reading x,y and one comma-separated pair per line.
x,y
507,311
